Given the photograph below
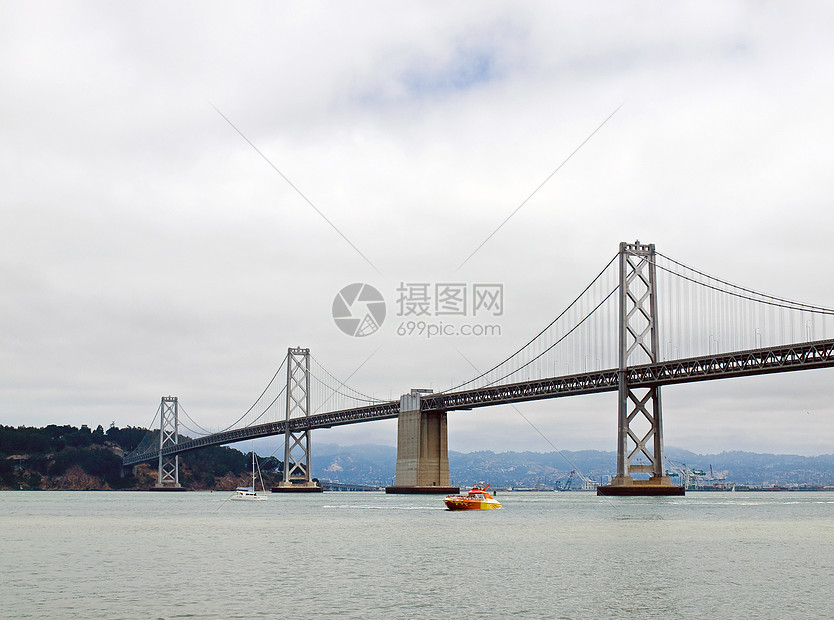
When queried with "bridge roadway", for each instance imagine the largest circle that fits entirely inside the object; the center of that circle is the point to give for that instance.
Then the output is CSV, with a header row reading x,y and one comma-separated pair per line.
x,y
802,356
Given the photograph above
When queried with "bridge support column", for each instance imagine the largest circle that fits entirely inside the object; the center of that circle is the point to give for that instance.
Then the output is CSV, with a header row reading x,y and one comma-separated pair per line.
x,y
169,467
297,467
422,450
639,419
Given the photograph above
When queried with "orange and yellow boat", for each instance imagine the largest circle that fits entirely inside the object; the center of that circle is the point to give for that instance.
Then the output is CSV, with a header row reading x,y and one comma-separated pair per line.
x,y
476,499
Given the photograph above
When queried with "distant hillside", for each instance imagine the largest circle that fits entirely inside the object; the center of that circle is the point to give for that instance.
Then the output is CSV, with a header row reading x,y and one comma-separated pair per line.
x,y
760,469
362,464
66,457
376,465
528,469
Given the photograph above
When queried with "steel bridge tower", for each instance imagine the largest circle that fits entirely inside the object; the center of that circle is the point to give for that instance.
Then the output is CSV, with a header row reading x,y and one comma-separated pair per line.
x,y
639,419
169,470
297,467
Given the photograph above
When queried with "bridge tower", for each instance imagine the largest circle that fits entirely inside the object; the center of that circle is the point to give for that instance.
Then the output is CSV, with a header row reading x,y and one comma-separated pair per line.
x,y
297,468
422,449
169,467
639,420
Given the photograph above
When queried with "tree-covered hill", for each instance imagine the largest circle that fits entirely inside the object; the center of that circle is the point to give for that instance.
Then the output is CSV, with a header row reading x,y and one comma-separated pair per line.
x,y
70,458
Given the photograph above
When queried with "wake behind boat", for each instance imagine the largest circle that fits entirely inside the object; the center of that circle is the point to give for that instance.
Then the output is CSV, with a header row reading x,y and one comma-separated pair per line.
x,y
476,499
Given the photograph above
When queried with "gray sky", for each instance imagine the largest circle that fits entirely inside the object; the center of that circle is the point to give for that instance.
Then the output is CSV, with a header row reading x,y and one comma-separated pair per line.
x,y
146,249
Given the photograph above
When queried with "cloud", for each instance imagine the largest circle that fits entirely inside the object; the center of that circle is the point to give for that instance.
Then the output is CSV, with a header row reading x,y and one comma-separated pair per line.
x,y
146,249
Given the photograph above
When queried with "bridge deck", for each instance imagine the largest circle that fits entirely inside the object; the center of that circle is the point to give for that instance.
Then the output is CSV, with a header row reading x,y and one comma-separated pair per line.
x,y
802,356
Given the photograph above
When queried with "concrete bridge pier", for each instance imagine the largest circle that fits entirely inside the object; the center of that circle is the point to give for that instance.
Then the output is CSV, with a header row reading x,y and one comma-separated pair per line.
x,y
422,450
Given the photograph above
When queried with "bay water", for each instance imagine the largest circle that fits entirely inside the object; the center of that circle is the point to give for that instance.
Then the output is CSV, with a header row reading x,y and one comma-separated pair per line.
x,y
370,555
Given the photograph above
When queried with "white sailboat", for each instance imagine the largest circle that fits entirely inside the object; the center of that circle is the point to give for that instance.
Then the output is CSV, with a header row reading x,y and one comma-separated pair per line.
x,y
249,493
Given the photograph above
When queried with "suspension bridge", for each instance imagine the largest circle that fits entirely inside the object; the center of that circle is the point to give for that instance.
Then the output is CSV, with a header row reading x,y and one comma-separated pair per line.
x,y
645,321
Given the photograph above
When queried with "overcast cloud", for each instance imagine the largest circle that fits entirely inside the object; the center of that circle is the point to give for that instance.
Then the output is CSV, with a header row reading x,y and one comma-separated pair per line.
x,y
146,249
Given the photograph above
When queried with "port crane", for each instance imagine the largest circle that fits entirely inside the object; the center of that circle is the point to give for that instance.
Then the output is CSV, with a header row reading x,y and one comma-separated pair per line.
x,y
690,478
587,483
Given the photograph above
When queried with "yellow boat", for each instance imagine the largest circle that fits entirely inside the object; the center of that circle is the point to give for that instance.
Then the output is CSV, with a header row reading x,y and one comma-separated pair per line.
x,y
476,499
